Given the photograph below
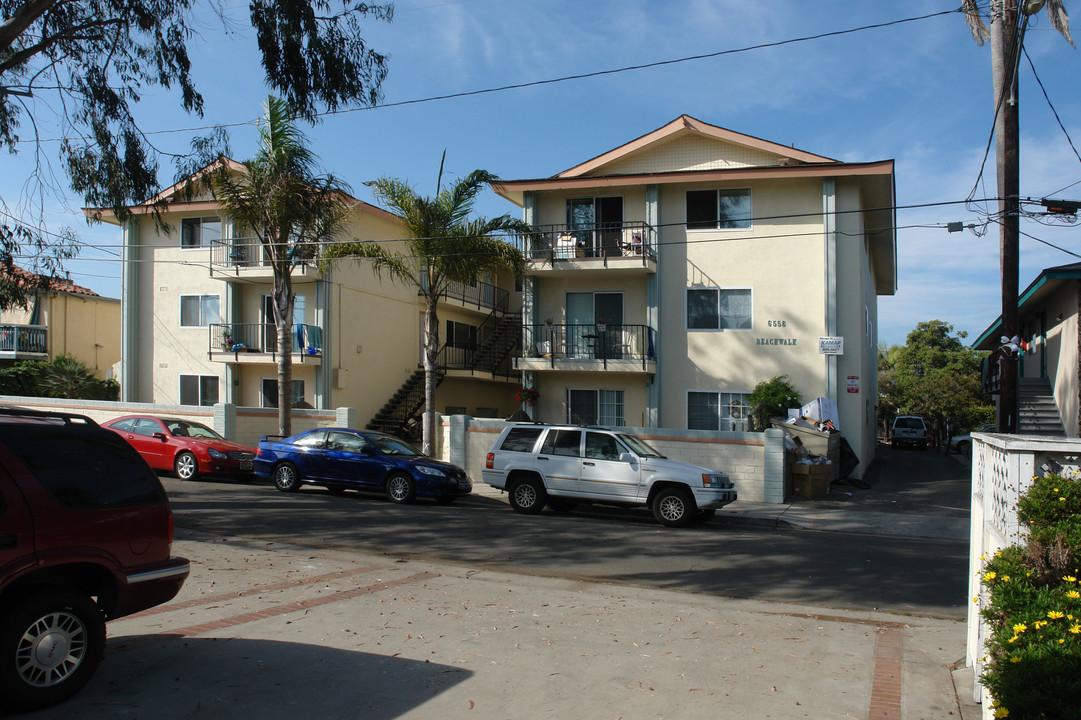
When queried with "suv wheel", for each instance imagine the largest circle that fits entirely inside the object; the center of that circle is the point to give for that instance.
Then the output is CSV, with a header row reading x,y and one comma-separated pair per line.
x,y
186,466
50,645
528,496
674,507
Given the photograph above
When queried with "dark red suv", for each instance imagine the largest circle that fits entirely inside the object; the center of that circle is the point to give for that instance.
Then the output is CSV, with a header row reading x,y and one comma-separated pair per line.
x,y
86,536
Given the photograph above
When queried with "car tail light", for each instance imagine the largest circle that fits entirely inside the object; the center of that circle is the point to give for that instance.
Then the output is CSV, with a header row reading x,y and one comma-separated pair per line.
x,y
489,463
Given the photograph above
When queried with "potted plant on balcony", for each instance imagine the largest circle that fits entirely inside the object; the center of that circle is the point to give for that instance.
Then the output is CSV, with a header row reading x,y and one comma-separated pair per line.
x,y
227,341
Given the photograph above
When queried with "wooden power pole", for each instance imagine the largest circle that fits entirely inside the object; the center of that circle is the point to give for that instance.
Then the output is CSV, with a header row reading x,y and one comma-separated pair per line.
x,y
1004,51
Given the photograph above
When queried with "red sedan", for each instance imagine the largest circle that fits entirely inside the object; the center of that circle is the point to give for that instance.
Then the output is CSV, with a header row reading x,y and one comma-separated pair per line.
x,y
187,448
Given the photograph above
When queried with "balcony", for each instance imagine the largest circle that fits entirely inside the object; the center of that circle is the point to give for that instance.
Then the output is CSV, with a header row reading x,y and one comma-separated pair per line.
x,y
629,247
245,258
480,296
590,347
257,343
20,342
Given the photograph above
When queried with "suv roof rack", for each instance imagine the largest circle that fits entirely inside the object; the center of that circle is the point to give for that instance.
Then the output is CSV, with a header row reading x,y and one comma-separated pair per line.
x,y
65,417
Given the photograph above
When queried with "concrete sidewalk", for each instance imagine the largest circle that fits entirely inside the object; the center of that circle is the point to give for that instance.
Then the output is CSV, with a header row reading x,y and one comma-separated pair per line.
x,y
275,632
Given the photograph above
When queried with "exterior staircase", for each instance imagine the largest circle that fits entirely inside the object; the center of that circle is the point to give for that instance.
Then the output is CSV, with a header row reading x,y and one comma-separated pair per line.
x,y
1037,413
402,414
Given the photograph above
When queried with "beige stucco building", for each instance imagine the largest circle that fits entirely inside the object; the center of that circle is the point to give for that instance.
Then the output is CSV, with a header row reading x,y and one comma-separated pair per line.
x,y
198,323
62,319
675,272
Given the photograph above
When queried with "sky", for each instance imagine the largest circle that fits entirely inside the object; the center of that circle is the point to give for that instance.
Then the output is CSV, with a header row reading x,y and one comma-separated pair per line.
x,y
917,92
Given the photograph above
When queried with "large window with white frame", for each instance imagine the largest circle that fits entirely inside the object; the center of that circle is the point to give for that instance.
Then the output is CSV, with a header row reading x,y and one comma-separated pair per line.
x,y
712,410
200,232
199,310
198,389
728,209
589,406
720,309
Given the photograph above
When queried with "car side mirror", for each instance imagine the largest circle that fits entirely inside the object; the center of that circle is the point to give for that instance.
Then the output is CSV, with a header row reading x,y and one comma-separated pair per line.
x,y
626,457
160,436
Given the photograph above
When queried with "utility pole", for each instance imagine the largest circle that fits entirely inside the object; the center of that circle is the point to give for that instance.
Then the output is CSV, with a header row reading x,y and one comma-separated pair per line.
x,y
1004,57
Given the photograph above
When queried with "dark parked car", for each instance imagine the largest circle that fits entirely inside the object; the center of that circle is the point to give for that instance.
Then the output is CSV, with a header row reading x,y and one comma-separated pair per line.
x,y
187,448
341,459
86,536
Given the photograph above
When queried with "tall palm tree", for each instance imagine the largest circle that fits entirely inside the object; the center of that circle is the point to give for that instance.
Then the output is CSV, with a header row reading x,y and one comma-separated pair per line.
x,y
445,246
293,211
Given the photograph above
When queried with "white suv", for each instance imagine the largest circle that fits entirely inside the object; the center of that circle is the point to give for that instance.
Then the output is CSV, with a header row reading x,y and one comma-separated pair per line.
x,y
564,465
909,430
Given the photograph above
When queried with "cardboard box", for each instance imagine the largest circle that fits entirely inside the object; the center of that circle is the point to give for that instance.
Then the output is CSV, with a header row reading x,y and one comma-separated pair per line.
x,y
811,481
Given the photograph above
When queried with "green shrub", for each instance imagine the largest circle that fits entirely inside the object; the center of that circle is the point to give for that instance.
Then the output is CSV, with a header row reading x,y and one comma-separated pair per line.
x,y
1032,605
773,398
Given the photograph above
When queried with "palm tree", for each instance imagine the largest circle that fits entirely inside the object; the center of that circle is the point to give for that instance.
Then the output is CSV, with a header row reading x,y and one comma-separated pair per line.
x,y
445,246
292,210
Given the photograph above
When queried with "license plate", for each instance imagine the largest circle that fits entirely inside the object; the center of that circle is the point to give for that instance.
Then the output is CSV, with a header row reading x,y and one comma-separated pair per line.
x,y
245,464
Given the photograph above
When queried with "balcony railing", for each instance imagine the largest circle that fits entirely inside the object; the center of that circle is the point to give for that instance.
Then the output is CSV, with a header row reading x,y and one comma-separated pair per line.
x,y
589,342
482,294
19,340
237,338
604,240
247,252
468,359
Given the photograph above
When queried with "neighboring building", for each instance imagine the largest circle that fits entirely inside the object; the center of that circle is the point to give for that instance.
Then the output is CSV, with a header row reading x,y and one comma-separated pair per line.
x,y
198,324
62,319
677,271
1049,386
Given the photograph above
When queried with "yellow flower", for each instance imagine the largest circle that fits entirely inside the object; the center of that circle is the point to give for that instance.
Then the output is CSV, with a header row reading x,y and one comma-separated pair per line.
x,y
989,576
1015,659
1069,578
1005,578
1061,641
1073,594
1039,624
1001,712
1055,614
1019,628
1062,499
976,599
1013,639
1076,629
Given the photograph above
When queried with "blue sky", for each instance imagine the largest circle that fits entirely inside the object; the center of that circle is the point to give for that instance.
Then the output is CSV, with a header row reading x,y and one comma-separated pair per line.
x,y
919,93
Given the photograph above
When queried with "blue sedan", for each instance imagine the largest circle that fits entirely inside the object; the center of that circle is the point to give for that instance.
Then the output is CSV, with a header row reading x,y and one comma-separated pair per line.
x,y
340,459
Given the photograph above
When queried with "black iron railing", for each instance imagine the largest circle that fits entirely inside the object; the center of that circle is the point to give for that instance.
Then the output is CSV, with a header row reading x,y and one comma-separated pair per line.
x,y
583,242
307,340
596,341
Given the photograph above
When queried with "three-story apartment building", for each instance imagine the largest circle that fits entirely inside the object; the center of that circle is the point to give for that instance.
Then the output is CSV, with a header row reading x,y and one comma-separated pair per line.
x,y
198,325
675,272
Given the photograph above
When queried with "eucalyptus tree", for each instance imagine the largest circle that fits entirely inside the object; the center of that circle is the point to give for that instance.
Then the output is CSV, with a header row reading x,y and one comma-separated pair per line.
x,y
445,245
77,69
294,211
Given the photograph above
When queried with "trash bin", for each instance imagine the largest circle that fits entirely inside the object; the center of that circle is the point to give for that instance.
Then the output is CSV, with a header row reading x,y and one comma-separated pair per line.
x,y
817,442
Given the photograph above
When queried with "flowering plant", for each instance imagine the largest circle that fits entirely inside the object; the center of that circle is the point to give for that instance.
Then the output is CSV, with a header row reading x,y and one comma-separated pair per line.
x,y
1031,600
527,395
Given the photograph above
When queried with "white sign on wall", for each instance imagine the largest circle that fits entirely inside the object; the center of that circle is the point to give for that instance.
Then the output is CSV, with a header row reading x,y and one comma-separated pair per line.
x,y
831,345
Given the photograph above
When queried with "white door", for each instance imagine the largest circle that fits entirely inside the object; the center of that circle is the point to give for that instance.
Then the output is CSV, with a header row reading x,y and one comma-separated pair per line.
x,y
603,473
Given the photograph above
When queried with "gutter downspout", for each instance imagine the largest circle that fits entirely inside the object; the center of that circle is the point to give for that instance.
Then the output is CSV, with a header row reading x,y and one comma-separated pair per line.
x,y
129,317
829,226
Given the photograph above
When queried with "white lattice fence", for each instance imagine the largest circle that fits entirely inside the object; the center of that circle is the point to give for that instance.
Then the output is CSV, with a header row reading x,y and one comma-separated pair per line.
x,y
1003,467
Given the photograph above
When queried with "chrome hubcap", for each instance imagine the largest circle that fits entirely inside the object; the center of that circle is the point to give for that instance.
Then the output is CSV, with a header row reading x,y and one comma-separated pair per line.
x,y
672,508
185,466
526,495
285,478
51,649
399,488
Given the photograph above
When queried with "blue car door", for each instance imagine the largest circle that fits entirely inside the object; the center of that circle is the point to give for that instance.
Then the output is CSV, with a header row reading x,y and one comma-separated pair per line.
x,y
350,459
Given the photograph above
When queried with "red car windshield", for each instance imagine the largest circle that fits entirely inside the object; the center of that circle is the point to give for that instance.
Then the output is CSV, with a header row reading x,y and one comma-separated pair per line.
x,y
182,428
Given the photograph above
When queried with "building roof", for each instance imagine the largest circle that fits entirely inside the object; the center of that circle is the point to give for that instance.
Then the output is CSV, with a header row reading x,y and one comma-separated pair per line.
x,y
29,280
1038,289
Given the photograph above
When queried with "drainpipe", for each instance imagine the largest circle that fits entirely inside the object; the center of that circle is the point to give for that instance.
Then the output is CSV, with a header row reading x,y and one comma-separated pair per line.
x,y
829,224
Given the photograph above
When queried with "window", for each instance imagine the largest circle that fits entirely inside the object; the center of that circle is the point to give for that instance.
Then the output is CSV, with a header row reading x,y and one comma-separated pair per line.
x,y
199,232
521,439
486,412
595,407
124,425
602,446
720,309
562,442
198,389
461,335
199,310
718,209
725,411
347,442
313,439
146,427
270,392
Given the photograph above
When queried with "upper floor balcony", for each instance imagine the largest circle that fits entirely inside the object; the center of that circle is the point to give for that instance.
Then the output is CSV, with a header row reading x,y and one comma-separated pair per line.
x,y
602,248
258,343
21,342
482,296
589,347
245,257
